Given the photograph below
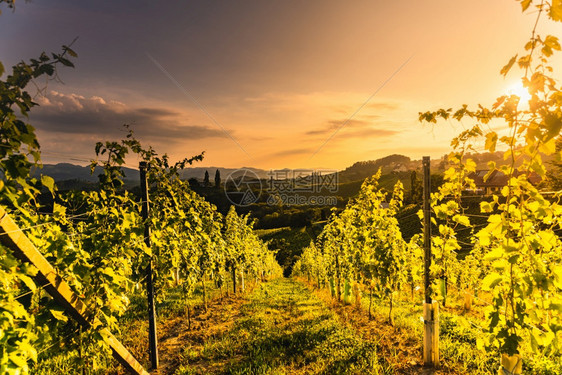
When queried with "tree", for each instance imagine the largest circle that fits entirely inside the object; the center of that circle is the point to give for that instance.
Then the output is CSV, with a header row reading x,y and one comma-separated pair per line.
x,y
217,179
206,179
193,182
415,188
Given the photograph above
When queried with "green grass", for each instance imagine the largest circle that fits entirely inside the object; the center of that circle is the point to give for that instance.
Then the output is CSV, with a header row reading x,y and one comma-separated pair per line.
x,y
285,329
64,358
458,335
269,232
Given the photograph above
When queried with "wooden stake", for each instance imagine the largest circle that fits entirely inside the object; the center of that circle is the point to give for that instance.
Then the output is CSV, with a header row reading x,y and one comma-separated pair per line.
x,y
234,279
467,300
511,365
370,301
431,334
427,227
204,292
430,308
152,338
357,294
242,281
14,239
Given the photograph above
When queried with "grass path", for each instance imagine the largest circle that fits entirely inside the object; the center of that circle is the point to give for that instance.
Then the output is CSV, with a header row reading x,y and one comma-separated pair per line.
x,y
286,326
281,327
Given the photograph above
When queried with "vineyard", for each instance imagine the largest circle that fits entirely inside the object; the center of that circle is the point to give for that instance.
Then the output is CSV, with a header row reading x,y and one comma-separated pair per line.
x,y
507,290
88,278
96,242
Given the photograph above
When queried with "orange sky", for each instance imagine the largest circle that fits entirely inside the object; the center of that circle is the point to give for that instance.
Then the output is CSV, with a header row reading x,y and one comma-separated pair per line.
x,y
267,84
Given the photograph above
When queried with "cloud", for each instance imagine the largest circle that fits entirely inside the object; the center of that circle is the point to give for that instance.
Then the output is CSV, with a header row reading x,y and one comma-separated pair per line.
x,y
344,103
291,152
332,125
371,132
351,129
78,115
383,106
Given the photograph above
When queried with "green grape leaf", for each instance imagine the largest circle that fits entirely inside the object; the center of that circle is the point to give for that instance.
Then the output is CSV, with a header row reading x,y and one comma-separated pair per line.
x,y
491,280
48,182
508,66
556,10
28,281
553,125
491,141
58,314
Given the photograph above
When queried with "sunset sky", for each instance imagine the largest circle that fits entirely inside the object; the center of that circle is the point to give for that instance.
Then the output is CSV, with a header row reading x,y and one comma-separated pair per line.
x,y
265,83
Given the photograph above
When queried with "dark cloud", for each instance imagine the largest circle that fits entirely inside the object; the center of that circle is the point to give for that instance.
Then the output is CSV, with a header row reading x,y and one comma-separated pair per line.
x,y
76,114
157,112
295,151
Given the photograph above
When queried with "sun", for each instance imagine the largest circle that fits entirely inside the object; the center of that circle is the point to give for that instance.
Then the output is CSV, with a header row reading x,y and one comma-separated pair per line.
x,y
520,91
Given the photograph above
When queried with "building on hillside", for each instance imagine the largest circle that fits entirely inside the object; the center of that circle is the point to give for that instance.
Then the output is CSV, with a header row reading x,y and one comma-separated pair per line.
x,y
496,181
399,167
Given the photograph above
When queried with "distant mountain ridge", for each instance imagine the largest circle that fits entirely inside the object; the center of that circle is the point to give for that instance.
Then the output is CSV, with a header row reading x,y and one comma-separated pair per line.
x,y
67,171
199,172
388,164
358,171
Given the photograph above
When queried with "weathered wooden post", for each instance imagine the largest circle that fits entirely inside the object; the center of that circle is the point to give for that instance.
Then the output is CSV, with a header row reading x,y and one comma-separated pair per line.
x,y
430,308
152,338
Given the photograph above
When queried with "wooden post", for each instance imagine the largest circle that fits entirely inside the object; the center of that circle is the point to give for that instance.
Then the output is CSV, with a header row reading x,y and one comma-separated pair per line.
x,y
234,279
357,294
430,308
14,239
427,228
467,300
204,291
511,365
346,292
431,334
152,338
242,280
